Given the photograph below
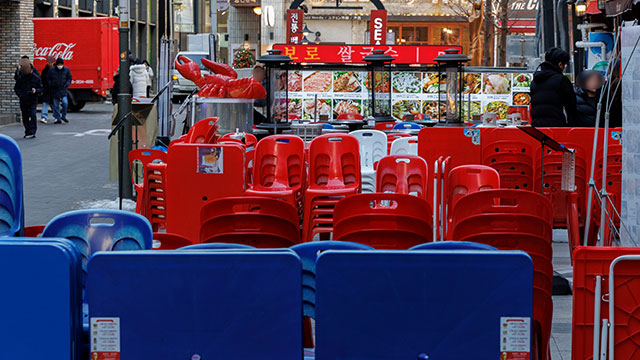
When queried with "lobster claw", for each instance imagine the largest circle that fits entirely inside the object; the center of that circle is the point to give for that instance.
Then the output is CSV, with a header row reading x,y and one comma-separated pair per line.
x,y
220,69
247,88
189,70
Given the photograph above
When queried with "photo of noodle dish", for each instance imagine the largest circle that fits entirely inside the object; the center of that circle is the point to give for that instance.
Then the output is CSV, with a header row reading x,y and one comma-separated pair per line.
x,y
472,83
403,107
501,109
406,82
430,84
430,108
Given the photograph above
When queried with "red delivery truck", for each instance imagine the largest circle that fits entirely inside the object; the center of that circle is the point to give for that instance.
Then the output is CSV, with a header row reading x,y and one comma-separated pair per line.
x,y
89,47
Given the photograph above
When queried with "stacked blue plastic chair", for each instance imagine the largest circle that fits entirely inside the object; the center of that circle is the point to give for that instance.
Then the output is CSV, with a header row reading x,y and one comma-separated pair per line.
x,y
217,246
11,198
41,299
453,245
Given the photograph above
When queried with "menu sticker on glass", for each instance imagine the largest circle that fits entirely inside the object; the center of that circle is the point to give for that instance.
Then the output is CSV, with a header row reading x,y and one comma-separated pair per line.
x,y
105,338
210,160
515,338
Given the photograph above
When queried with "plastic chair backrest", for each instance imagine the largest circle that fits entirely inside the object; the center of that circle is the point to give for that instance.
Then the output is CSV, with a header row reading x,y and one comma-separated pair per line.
x,y
386,125
403,174
11,190
203,131
101,230
279,163
308,253
334,162
467,179
349,116
167,241
190,184
144,157
352,325
406,125
216,246
461,144
453,245
373,147
405,145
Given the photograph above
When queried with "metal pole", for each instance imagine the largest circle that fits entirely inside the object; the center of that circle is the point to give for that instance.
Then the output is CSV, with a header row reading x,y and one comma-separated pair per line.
x,y
124,100
164,100
213,39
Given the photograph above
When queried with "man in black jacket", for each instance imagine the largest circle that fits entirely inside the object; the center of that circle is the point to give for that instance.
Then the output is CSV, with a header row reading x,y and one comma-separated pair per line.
x,y
46,94
553,101
27,87
59,79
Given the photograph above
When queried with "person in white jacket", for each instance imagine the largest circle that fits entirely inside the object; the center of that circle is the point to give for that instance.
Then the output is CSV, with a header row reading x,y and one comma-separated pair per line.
x,y
149,77
138,77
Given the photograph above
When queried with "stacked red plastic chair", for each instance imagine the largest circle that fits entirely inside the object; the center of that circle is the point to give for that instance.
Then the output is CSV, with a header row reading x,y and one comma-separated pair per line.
x,y
393,137
155,195
279,169
383,220
384,126
334,172
168,241
514,220
249,141
403,174
512,157
251,220
203,132
138,160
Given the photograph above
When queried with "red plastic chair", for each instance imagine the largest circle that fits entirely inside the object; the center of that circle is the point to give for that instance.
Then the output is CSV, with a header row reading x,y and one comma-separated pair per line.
x,y
467,179
384,126
383,220
154,195
138,160
334,172
249,141
203,132
403,174
349,116
251,220
461,144
394,136
279,169
167,241
511,153
34,230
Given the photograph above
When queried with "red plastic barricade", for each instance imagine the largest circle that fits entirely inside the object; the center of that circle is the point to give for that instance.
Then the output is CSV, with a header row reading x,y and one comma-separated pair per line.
x,y
279,170
589,263
403,174
251,220
334,172
196,174
461,144
383,220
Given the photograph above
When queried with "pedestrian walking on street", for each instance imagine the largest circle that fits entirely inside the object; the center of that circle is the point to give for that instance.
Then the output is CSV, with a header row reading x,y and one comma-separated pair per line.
x,y
138,77
553,101
149,77
19,73
28,86
58,80
46,92
588,87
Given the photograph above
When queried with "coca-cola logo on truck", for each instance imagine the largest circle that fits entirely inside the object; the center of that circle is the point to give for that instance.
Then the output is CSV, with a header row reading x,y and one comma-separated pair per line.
x,y
59,50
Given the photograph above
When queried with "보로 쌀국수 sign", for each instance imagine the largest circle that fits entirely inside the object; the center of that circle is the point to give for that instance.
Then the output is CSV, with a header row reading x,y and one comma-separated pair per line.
x,y
245,3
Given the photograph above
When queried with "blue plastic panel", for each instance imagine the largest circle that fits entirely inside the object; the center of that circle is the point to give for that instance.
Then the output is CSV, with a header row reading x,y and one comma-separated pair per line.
x,y
219,305
396,305
40,301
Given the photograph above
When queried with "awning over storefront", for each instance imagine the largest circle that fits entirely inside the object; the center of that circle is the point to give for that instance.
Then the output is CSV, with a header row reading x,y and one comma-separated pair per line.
x,y
522,26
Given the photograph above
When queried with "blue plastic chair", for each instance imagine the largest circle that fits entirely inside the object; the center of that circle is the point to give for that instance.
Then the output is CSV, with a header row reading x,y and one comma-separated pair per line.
x,y
326,126
216,246
406,126
453,245
11,193
101,230
308,253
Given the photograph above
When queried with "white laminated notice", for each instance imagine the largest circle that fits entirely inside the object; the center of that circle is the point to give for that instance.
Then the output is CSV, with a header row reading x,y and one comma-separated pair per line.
x,y
105,338
515,338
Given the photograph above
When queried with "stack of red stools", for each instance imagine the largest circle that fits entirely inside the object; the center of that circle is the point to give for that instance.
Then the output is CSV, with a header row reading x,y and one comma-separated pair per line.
x,y
279,169
138,160
334,172
155,195
514,220
403,174
383,220
251,220
513,160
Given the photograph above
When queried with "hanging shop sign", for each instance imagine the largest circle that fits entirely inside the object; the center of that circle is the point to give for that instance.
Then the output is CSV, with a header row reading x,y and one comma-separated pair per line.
x,y
334,54
245,3
378,27
295,21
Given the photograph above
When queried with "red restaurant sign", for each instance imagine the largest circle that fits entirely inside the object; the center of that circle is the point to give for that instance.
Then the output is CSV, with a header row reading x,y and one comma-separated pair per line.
x,y
378,27
295,21
330,54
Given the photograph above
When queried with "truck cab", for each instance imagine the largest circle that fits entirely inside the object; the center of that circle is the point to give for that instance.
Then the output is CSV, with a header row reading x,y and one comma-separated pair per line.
x,y
181,86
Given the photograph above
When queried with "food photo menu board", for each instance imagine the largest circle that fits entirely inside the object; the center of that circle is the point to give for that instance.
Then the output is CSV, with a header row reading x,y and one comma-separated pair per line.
x,y
331,93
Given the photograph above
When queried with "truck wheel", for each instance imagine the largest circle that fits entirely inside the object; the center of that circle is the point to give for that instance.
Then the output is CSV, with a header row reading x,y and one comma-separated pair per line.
x,y
74,107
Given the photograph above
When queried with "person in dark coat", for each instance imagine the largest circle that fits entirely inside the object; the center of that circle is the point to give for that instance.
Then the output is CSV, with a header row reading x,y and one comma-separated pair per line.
x,y
588,84
58,80
46,93
18,73
28,87
553,101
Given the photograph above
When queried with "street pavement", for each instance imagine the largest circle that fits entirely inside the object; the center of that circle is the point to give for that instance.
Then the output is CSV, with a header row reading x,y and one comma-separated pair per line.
x,y
66,165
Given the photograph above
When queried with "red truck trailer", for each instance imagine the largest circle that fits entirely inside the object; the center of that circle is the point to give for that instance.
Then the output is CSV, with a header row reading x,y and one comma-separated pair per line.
x,y
89,47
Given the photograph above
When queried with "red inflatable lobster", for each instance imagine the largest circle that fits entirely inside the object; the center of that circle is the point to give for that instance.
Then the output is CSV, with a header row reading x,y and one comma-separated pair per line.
x,y
223,83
